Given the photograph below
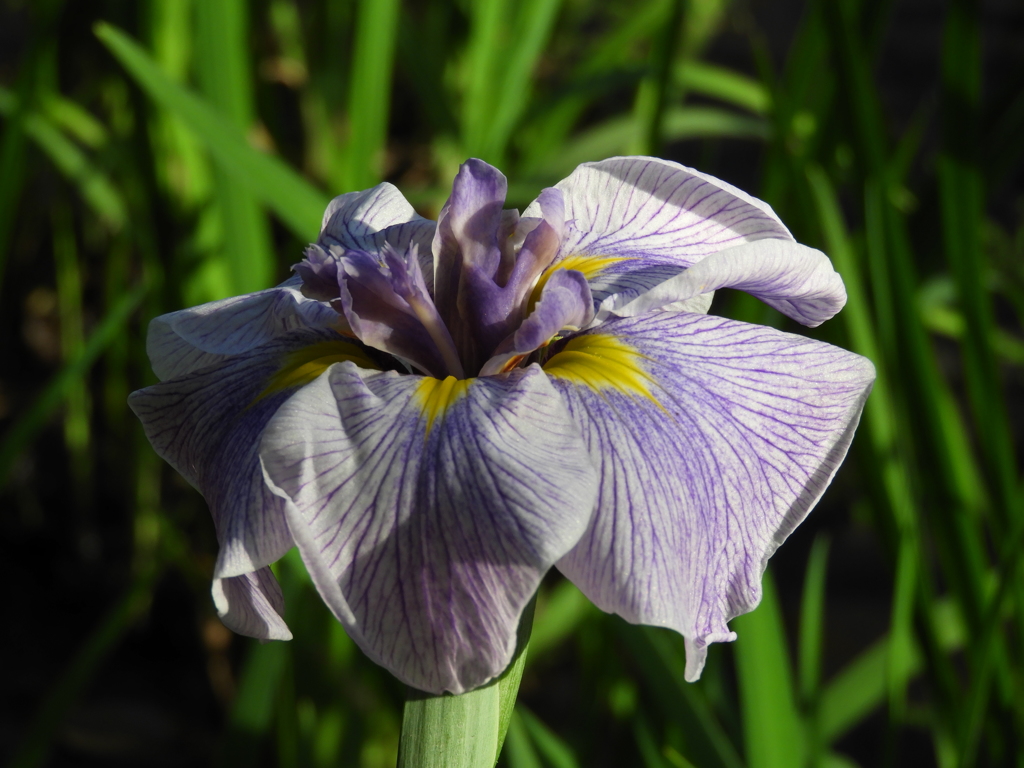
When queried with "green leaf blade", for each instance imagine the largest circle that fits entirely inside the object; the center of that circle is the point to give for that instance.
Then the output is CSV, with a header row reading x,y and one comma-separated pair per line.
x,y
299,204
773,731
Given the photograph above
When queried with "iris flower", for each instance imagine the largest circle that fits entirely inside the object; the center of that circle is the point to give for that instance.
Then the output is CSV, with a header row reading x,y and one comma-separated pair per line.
x,y
436,414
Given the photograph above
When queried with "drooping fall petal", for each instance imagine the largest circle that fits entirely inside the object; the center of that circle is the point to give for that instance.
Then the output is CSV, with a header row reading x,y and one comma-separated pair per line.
x,y
207,425
714,439
427,511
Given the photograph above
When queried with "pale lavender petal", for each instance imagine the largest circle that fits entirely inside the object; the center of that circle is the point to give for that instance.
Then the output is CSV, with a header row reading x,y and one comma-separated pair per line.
x,y
507,230
627,284
466,239
540,243
469,224
320,273
367,220
494,309
408,281
428,543
387,307
798,281
416,237
252,605
366,271
565,302
207,425
188,340
740,430
699,304
654,214
406,273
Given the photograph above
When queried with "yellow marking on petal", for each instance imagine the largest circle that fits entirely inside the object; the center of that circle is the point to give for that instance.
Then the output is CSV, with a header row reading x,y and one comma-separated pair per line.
x,y
590,266
303,365
435,396
601,361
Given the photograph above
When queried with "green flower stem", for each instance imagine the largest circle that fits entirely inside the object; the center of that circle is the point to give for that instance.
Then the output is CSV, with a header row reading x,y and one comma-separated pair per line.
x,y
465,731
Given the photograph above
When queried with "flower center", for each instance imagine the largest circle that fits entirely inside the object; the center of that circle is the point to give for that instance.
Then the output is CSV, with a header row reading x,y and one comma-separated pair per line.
x,y
495,298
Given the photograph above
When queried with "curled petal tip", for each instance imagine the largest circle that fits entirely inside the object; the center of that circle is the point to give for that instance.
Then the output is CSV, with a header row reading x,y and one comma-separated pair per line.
x,y
797,280
252,605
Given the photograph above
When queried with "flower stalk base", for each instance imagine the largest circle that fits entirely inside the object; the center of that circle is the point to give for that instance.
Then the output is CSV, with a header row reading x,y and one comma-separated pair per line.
x,y
465,731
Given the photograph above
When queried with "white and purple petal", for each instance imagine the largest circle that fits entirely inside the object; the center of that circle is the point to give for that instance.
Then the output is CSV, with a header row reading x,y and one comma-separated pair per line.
x,y
798,281
715,439
657,216
427,527
207,425
188,340
357,220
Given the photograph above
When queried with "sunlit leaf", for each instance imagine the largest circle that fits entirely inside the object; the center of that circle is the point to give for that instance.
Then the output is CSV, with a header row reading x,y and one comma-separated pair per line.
x,y
774,734
296,201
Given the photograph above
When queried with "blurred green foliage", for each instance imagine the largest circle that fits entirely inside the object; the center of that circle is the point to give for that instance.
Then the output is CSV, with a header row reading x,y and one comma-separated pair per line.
x,y
187,150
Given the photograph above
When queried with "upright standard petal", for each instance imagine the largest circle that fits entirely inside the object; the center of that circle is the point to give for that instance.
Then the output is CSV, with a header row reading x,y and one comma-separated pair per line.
x,y
565,303
496,309
427,511
540,240
181,342
714,439
321,273
367,220
468,255
387,306
467,233
640,220
798,281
